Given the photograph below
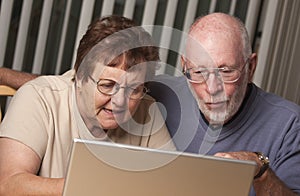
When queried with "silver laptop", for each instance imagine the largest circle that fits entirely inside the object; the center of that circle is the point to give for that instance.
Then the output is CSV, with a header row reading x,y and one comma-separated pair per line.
x,y
104,168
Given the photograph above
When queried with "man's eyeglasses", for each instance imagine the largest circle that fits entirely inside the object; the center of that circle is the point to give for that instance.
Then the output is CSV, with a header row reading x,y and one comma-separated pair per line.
x,y
201,74
110,87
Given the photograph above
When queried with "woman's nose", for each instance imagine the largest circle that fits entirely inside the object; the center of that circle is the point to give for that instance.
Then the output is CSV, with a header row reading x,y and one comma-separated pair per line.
x,y
119,98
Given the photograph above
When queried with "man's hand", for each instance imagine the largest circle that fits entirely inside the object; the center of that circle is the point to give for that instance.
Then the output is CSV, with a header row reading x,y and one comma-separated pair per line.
x,y
268,183
242,155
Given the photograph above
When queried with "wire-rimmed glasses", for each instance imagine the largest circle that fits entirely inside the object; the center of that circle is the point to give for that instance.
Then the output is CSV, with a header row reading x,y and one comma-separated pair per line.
x,y
111,87
200,74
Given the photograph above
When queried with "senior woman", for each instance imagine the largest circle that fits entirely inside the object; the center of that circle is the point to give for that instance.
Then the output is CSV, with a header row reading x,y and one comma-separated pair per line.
x,y
103,98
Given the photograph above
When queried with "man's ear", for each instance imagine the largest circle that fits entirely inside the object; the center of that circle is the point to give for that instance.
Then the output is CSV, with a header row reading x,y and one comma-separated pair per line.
x,y
182,61
252,66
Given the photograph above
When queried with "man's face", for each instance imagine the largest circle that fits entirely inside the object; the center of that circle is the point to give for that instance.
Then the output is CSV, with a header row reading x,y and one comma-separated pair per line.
x,y
218,101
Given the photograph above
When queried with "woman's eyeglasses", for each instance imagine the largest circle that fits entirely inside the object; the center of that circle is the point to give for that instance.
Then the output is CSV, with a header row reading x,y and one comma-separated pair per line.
x,y
110,87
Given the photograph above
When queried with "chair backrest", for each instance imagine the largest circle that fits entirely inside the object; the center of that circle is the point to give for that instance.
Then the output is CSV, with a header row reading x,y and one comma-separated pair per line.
x,y
6,91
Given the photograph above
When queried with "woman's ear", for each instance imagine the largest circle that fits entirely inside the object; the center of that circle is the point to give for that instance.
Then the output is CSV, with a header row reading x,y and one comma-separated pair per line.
x,y
78,84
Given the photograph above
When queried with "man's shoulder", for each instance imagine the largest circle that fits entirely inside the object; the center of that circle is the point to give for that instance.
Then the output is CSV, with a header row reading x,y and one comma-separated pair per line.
x,y
278,103
170,90
171,81
167,84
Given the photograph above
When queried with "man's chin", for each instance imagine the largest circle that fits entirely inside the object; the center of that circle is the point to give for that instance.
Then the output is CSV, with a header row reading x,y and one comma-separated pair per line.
x,y
216,119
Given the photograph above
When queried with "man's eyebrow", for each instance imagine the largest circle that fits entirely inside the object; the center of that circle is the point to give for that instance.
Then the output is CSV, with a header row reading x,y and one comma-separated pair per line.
x,y
207,66
233,66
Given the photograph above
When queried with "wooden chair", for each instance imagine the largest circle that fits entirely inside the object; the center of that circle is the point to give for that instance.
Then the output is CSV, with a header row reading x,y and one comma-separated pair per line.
x,y
6,91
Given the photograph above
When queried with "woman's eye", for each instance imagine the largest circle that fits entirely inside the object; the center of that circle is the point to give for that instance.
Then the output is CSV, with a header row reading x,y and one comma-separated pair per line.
x,y
108,85
138,89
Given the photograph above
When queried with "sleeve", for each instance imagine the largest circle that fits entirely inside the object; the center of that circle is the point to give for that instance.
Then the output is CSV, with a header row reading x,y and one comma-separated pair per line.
x,y
287,163
26,119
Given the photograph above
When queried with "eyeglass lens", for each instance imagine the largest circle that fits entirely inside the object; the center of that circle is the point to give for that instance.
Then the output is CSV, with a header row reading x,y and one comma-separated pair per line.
x,y
110,87
202,74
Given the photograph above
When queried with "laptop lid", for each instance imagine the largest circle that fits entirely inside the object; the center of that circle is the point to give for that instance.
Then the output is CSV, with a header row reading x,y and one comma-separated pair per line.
x,y
104,168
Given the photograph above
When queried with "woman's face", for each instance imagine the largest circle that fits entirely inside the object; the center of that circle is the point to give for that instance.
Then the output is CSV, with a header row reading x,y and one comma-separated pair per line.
x,y
112,110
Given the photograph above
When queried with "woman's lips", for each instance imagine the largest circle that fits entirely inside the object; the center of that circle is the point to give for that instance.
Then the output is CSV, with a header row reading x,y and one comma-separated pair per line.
x,y
111,112
107,110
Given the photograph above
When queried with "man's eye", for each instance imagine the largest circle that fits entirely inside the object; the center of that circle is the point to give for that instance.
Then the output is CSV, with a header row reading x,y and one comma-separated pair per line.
x,y
227,71
200,71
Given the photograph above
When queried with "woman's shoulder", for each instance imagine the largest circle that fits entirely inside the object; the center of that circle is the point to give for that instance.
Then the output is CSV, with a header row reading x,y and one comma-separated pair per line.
x,y
52,82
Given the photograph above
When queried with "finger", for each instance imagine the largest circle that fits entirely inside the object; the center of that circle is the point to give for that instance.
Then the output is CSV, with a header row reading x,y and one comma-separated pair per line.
x,y
222,154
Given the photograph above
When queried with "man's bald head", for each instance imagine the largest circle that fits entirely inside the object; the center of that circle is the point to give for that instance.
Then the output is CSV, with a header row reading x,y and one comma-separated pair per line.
x,y
220,24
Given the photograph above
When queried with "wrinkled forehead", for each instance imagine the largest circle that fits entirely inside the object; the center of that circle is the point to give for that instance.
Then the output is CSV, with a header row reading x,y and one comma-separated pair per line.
x,y
213,48
111,50
195,50
121,73
114,65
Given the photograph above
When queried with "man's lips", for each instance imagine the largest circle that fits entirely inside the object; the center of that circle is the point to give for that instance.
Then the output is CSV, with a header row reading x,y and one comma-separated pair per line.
x,y
216,105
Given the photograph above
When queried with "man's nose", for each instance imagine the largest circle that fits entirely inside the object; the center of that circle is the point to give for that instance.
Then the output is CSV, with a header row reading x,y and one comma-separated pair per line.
x,y
214,83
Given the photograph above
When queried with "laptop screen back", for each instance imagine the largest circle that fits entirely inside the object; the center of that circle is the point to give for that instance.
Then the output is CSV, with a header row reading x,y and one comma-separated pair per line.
x,y
103,168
